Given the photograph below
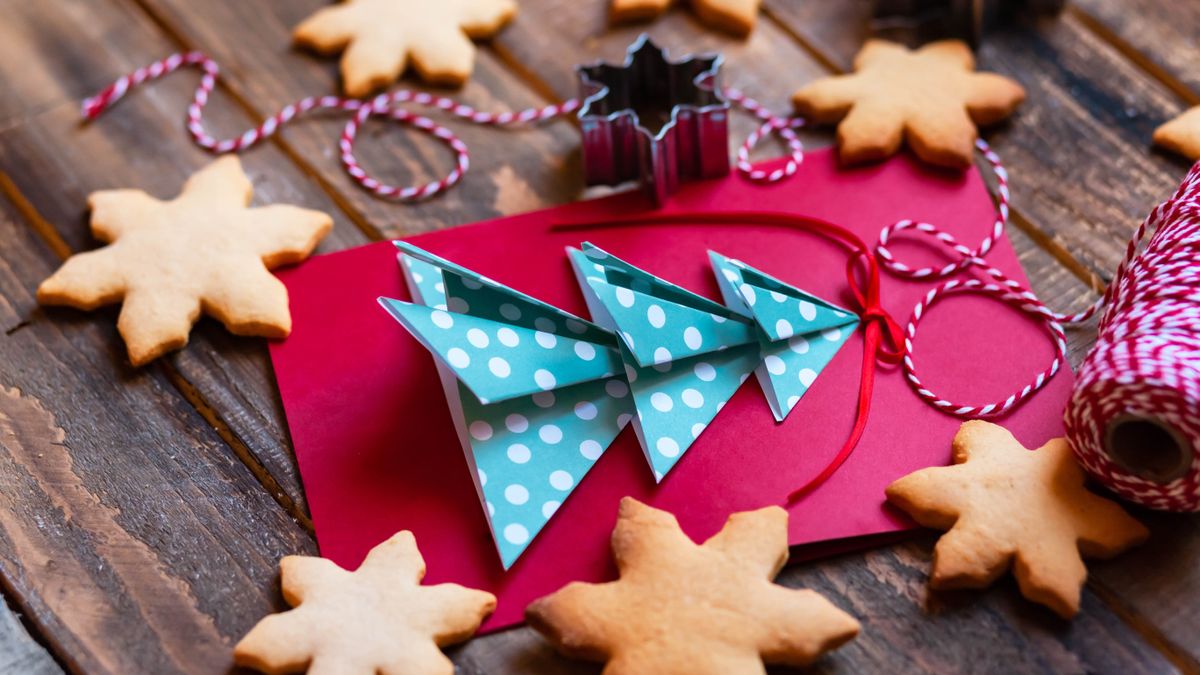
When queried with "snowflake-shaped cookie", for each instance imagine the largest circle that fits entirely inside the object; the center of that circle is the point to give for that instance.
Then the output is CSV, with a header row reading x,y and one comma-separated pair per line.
x,y
376,619
1002,505
204,251
680,607
931,98
379,36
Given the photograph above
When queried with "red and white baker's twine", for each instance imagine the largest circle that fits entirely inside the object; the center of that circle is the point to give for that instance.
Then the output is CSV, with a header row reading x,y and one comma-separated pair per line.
x,y
996,284
389,105
1142,306
1146,362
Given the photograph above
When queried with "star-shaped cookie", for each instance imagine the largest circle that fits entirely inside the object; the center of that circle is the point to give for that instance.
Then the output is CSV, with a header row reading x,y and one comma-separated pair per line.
x,y
683,608
931,98
1002,505
732,16
376,619
379,36
1181,135
203,251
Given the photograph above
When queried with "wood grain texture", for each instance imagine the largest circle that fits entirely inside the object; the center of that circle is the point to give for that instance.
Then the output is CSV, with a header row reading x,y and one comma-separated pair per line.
x,y
130,534
18,652
906,628
188,514
1161,37
1077,150
54,161
1082,88
252,41
1156,584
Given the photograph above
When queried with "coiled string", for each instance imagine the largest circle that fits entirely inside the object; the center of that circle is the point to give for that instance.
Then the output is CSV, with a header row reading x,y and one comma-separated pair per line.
x,y
1134,415
996,285
1152,295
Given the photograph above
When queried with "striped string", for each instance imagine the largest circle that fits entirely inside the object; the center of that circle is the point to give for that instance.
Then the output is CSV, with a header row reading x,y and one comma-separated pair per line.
x,y
995,284
1146,362
390,105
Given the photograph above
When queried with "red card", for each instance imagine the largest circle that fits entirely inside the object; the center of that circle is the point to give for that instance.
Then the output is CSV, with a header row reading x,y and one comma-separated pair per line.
x,y
378,451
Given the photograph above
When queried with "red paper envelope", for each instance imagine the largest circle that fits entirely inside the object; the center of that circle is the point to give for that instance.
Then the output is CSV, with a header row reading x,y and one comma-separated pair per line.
x,y
378,451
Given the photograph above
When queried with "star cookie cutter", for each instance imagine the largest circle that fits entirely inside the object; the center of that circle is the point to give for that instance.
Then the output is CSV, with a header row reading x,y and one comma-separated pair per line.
x,y
622,105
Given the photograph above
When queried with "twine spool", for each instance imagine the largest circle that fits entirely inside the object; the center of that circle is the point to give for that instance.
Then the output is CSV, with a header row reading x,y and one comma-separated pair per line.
x,y
1133,419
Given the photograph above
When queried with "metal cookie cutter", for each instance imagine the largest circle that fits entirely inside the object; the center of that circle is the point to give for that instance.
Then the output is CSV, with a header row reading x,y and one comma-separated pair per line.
x,y
654,120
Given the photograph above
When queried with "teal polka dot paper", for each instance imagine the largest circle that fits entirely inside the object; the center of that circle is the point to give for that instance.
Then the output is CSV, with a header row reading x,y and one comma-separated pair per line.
x,y
685,355
537,394
530,453
799,333
498,361
528,447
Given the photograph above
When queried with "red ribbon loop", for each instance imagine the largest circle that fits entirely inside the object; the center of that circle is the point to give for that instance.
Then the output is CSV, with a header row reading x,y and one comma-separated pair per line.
x,y
883,341
890,350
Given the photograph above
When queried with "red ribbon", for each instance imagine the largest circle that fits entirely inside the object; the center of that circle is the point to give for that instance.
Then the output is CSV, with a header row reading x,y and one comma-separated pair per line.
x,y
883,341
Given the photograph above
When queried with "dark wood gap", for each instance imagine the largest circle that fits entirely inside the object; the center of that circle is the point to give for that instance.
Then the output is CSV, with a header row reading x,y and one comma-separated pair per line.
x,y
10,602
360,221
1160,74
59,652
48,234
812,50
45,231
524,73
1144,628
1058,252
214,419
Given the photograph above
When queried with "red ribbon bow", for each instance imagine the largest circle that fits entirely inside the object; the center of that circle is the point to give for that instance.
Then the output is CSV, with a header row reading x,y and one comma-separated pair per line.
x,y
883,340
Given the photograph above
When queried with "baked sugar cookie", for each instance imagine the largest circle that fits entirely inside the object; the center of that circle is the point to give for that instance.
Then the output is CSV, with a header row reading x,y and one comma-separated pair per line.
x,y
376,619
1181,135
203,252
679,607
930,98
378,37
1004,505
732,16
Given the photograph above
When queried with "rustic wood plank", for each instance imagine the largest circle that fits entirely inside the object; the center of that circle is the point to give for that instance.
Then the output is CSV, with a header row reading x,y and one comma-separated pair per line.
x,y
18,652
1086,96
511,170
129,533
1161,37
520,650
1076,151
907,628
577,33
54,161
1156,582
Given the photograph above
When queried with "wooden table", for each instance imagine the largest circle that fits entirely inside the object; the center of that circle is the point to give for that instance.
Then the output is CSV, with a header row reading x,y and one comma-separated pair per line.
x,y
143,511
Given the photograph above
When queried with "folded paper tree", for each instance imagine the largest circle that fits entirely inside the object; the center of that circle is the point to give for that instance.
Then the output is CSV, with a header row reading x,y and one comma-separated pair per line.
x,y
534,391
798,332
377,446
684,354
537,394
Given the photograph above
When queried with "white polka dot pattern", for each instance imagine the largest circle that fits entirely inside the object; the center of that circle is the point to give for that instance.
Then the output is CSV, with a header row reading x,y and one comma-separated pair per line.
x,y
534,455
555,401
799,333
543,393
684,355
